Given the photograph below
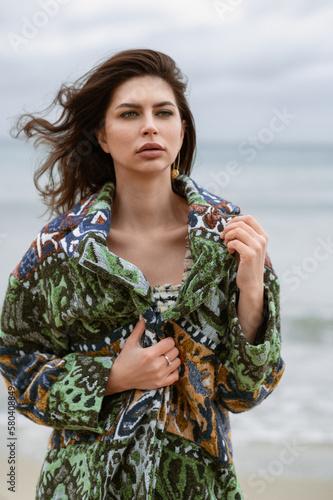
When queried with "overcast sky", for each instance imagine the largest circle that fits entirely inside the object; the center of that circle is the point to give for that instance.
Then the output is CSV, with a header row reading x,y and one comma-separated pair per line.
x,y
245,60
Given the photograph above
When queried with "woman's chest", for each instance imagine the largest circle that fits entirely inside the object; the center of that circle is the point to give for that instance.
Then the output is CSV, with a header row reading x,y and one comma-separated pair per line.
x,y
161,259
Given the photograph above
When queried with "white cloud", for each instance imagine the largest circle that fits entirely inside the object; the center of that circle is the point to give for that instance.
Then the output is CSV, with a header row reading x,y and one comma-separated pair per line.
x,y
261,55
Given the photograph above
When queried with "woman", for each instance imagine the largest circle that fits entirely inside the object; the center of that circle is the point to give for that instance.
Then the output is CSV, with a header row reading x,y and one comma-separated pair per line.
x,y
139,318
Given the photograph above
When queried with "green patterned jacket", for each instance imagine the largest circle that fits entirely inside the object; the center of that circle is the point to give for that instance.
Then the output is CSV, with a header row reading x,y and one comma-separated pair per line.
x,y
69,308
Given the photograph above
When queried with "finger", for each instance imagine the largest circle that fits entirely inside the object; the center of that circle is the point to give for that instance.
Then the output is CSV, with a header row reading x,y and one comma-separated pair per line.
x,y
245,252
172,354
249,238
137,332
247,235
175,363
249,221
240,225
172,377
163,346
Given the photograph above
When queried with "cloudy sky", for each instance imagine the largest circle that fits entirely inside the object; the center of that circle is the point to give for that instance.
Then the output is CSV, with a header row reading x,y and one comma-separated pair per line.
x,y
245,60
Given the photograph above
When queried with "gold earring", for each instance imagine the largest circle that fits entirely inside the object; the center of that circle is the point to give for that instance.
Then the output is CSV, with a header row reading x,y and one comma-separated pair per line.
x,y
175,170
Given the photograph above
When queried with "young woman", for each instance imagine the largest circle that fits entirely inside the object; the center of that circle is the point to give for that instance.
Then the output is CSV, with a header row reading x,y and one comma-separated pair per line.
x,y
145,312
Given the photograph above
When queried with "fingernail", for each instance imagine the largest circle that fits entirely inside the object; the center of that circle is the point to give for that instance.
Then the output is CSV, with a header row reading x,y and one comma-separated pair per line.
x,y
141,317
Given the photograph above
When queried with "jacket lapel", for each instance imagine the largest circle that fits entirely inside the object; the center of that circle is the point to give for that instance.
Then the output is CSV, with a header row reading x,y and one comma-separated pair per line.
x,y
211,263
86,246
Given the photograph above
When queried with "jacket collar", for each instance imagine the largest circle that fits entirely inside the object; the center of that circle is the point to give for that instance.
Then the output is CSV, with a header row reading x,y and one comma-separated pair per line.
x,y
91,221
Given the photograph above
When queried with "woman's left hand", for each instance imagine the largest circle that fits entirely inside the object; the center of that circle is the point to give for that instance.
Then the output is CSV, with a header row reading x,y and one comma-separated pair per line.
x,y
244,235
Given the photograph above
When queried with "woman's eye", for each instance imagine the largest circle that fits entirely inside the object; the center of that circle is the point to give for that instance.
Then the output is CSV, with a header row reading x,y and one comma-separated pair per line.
x,y
128,114
162,112
165,112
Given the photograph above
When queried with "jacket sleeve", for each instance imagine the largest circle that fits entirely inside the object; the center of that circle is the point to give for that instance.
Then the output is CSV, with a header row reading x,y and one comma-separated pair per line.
x,y
245,373
52,386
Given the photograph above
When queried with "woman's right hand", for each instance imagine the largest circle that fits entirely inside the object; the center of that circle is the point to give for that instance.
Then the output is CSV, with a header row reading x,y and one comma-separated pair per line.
x,y
144,368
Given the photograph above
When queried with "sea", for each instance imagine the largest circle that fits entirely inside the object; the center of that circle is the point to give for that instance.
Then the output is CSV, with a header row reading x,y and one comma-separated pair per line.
x,y
288,188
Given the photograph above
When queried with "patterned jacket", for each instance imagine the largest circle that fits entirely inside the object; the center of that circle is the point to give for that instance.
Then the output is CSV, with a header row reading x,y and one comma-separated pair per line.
x,y
69,308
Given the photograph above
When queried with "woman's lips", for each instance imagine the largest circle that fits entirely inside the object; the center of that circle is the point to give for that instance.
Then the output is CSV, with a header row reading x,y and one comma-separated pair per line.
x,y
151,153
150,145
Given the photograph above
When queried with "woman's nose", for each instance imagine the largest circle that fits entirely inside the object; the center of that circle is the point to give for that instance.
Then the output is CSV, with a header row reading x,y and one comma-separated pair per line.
x,y
149,126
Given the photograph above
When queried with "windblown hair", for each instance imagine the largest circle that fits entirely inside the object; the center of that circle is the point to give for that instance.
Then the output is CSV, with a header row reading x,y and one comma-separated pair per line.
x,y
75,165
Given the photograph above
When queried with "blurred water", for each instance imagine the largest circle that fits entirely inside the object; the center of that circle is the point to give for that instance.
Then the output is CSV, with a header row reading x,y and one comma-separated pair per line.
x,y
289,191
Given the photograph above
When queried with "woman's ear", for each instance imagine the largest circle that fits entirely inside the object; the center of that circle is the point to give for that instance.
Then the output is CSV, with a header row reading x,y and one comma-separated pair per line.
x,y
182,133
101,137
183,128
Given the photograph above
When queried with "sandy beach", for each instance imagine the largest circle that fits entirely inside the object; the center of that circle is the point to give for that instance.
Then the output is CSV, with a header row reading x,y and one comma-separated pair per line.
x,y
280,488
289,489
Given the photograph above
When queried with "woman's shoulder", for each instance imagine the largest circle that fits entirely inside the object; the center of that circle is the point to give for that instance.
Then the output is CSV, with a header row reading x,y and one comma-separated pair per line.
x,y
47,241
208,213
200,197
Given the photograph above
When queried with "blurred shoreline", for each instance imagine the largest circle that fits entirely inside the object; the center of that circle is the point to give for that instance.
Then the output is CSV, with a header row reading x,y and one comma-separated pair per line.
x,y
254,488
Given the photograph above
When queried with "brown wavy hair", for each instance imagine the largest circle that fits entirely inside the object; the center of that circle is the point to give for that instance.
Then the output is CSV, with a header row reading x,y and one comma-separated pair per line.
x,y
75,164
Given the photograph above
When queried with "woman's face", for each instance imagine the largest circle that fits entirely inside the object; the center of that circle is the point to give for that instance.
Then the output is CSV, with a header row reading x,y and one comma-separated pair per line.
x,y
143,129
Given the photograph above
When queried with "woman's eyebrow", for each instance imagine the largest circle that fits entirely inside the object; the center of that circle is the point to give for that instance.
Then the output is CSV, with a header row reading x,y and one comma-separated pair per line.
x,y
133,105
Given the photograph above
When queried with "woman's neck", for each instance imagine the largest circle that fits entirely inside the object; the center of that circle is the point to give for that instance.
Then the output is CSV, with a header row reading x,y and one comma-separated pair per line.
x,y
146,204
